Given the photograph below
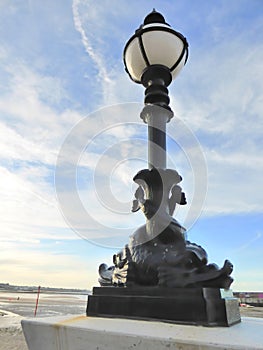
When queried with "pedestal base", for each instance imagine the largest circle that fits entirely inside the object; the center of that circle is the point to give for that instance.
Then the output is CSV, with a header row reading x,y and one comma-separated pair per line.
x,y
194,306
82,333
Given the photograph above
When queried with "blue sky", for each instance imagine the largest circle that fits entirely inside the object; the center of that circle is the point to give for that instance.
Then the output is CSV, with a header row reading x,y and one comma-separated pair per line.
x,y
61,66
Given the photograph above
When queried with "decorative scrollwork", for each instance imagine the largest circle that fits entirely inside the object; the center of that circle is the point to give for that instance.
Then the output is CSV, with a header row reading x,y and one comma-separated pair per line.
x,y
158,253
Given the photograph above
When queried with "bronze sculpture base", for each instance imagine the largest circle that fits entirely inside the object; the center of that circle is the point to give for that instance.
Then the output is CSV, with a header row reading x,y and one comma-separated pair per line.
x,y
194,306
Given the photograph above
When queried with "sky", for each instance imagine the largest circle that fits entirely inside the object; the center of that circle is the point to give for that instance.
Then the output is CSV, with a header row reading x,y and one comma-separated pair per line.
x,y
65,99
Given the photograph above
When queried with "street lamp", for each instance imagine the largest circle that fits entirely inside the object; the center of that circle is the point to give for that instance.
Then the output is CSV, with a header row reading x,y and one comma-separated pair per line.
x,y
155,45
154,56
159,274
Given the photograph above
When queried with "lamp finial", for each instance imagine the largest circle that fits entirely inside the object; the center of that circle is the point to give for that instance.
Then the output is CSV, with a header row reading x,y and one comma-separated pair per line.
x,y
154,17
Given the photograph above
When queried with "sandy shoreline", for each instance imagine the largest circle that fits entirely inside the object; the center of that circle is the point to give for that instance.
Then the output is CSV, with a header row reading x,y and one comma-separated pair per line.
x,y
16,306
49,304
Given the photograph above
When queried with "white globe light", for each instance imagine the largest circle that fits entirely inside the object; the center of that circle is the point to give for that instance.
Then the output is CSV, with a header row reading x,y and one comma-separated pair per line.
x,y
155,43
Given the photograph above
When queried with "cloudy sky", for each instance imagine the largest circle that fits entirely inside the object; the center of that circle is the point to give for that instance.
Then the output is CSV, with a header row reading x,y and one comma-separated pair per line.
x,y
64,97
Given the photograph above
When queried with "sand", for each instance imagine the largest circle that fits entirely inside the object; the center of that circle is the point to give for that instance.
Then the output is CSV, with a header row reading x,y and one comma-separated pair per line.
x,y
12,340
11,335
251,312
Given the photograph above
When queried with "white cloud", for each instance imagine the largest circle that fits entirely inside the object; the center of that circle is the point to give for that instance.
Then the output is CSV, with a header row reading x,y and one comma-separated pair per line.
x,y
31,267
29,96
219,96
29,209
17,147
221,90
233,182
31,132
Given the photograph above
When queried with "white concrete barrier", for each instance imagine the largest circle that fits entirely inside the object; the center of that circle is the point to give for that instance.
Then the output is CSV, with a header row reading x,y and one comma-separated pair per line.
x,y
92,333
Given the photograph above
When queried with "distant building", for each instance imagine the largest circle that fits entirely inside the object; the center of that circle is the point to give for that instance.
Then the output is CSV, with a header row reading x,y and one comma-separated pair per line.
x,y
251,298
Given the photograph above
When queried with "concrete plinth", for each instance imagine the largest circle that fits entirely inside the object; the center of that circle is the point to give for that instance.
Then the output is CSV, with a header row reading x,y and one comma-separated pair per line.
x,y
90,333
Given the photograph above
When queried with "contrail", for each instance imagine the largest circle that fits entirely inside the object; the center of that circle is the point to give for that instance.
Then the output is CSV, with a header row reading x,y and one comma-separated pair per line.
x,y
88,48
247,244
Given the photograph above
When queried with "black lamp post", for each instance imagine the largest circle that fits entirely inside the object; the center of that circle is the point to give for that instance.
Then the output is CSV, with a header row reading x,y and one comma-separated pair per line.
x,y
159,274
154,56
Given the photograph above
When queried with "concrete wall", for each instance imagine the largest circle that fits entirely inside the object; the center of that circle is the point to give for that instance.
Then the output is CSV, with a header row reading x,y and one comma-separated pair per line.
x,y
90,333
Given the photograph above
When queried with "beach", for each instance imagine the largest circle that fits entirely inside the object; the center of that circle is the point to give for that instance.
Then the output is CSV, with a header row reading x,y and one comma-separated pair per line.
x,y
16,306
